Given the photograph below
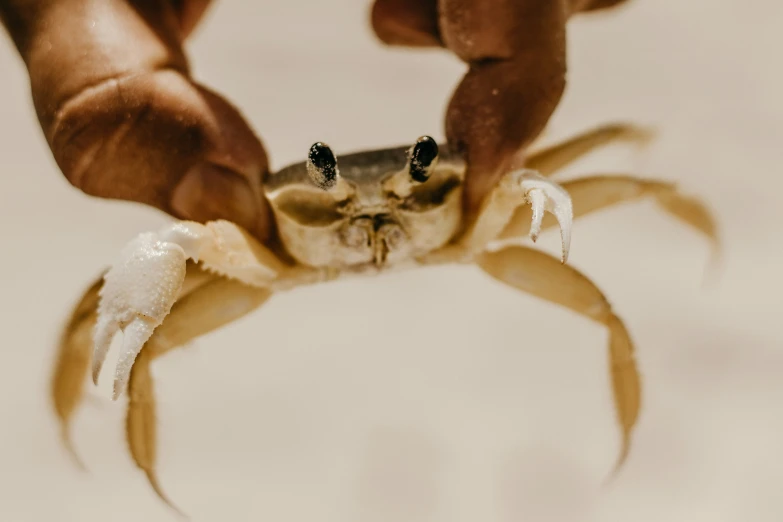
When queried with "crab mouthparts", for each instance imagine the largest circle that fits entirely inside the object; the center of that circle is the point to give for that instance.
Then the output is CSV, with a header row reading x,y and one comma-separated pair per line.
x,y
380,233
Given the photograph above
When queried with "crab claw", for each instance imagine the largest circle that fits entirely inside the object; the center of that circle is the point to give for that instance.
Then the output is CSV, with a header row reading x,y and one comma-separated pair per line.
x,y
547,196
138,293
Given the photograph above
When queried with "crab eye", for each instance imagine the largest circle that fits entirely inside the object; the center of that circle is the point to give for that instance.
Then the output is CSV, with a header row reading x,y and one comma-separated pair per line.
x,y
422,157
322,166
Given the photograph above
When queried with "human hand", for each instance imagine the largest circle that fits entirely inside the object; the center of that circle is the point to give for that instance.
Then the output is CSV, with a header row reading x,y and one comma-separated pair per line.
x,y
124,119
516,53
127,121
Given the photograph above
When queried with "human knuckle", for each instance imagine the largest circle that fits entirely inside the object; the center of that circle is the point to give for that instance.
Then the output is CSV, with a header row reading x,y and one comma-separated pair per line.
x,y
120,138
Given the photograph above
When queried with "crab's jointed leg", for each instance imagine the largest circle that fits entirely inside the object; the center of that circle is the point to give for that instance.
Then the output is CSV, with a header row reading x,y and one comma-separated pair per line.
x,y
541,275
206,309
140,422
552,159
514,190
73,362
140,289
594,193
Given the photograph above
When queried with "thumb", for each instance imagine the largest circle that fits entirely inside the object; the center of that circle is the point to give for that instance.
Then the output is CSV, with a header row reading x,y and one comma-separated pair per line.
x,y
124,120
159,139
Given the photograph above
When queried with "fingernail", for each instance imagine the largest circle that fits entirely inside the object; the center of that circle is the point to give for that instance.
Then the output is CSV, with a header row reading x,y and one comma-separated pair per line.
x,y
208,192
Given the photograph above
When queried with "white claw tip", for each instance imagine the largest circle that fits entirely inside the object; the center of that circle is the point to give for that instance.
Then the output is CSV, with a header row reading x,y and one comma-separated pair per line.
x,y
136,335
547,196
538,200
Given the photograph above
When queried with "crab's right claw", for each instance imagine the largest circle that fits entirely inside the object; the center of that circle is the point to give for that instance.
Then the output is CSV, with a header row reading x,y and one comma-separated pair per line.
x,y
547,196
138,293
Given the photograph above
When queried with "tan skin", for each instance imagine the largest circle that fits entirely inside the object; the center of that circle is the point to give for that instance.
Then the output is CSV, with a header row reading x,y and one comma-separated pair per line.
x,y
124,119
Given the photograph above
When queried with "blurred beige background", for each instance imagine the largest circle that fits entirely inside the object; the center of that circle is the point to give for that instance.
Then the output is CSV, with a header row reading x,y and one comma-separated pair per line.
x,y
389,399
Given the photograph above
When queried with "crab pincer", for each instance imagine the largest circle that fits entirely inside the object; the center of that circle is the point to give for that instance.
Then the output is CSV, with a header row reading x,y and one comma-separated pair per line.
x,y
142,286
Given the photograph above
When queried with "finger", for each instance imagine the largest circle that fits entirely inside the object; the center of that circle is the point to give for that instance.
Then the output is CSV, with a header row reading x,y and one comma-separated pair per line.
x,y
111,88
516,52
414,23
411,23
578,6
498,109
517,56
190,13
158,139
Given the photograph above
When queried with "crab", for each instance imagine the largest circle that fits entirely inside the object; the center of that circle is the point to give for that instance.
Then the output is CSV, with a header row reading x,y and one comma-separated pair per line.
x,y
368,213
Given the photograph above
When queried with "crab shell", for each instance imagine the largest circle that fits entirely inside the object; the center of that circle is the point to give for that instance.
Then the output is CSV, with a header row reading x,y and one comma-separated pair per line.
x,y
374,214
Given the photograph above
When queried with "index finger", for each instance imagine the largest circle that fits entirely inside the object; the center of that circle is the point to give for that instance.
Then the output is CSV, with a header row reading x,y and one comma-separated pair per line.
x,y
516,53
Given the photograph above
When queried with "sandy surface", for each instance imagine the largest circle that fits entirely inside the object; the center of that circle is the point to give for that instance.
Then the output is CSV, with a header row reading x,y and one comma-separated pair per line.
x,y
391,399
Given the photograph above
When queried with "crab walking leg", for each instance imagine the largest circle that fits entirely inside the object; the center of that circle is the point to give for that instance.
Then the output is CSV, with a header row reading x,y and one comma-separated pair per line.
x,y
214,305
550,160
594,193
140,422
73,363
141,288
539,274
73,352
208,308
514,190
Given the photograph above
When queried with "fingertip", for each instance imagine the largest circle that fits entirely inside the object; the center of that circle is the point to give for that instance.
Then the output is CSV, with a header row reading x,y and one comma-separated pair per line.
x,y
411,23
190,13
499,109
586,6
208,192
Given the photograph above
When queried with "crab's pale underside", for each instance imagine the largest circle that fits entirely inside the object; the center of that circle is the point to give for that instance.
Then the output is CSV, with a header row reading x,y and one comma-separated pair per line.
x,y
366,214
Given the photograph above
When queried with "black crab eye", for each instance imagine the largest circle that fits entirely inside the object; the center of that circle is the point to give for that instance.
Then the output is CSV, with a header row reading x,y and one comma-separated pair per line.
x,y
322,166
422,156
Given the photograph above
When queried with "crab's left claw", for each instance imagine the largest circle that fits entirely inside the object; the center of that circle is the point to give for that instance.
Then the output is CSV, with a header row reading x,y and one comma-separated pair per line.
x,y
140,289
137,295
547,196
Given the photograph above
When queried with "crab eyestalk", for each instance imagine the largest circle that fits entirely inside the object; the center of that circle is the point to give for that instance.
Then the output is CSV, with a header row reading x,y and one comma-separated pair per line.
x,y
422,159
324,172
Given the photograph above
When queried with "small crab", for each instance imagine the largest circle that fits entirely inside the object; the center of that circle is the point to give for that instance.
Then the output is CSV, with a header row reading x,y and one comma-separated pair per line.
x,y
368,213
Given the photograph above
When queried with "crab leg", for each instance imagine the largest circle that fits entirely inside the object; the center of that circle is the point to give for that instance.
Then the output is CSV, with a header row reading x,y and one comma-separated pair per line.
x,y
141,288
73,363
554,158
140,422
206,309
539,274
514,190
594,193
